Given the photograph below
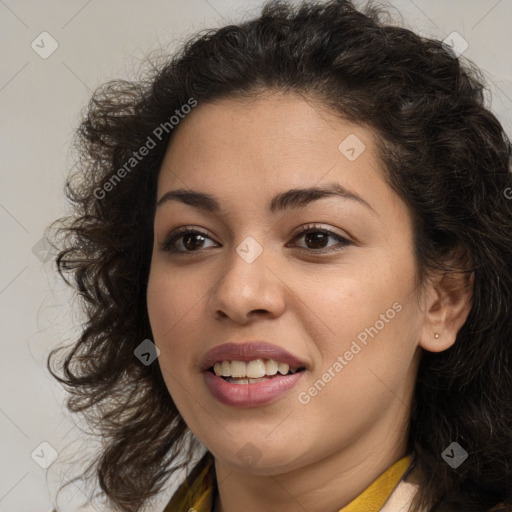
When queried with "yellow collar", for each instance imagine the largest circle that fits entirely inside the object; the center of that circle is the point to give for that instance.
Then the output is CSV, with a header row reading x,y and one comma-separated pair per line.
x,y
199,494
374,496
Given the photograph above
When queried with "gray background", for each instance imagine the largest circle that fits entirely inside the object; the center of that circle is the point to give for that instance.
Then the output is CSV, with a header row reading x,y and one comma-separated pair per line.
x,y
40,101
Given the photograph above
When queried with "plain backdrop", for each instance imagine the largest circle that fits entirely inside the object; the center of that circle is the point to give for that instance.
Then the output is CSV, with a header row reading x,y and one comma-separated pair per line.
x,y
41,98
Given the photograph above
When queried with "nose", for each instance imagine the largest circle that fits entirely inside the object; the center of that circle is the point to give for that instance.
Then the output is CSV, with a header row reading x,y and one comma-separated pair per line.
x,y
248,290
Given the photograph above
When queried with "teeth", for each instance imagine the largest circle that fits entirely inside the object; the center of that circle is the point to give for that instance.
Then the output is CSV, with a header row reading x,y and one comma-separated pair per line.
x,y
271,367
246,381
225,368
255,369
238,369
283,368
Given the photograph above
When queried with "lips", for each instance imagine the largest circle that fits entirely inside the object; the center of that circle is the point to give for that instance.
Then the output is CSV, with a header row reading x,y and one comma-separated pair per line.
x,y
247,352
251,395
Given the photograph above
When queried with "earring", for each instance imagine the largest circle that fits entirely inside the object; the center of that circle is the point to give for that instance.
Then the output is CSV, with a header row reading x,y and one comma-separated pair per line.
x,y
436,335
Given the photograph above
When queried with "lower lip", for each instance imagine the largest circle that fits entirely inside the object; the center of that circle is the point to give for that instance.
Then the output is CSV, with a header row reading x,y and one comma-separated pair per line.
x,y
250,395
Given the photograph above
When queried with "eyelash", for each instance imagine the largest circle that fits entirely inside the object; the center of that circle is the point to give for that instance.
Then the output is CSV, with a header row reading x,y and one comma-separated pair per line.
x,y
167,245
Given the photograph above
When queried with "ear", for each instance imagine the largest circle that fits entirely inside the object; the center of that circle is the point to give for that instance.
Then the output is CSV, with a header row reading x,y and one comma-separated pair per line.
x,y
447,302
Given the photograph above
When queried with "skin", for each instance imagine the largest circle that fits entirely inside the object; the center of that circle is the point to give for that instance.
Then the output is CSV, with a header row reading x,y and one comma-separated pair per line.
x,y
317,456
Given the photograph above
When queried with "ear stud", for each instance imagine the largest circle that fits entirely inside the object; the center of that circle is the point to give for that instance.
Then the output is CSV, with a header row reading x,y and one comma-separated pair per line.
x,y
436,335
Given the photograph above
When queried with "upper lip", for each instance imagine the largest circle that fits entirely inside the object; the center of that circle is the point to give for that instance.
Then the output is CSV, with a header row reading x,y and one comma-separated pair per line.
x,y
247,352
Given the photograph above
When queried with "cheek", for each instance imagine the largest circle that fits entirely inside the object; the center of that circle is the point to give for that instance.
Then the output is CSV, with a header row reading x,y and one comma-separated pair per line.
x,y
372,305
176,307
365,327
349,296
168,303
171,295
165,309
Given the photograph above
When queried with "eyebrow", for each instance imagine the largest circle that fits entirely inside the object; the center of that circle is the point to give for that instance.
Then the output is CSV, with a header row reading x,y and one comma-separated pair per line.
x,y
293,198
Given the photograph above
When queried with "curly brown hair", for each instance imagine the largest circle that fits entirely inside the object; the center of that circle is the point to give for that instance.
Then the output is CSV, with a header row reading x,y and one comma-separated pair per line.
x,y
445,154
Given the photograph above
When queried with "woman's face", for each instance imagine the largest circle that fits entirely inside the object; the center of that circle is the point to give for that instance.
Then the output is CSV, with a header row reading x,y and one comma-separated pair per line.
x,y
341,297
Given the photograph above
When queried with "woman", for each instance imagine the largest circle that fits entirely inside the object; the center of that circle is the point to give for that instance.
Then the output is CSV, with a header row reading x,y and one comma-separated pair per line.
x,y
293,244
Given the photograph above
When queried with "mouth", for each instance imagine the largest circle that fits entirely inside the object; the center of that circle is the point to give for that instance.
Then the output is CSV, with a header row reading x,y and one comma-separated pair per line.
x,y
252,372
246,391
250,359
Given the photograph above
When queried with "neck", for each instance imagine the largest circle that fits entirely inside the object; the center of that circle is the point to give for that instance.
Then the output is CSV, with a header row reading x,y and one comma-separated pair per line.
x,y
317,487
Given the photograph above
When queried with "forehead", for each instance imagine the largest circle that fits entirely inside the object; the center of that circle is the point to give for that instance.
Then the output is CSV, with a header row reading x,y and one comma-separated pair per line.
x,y
244,149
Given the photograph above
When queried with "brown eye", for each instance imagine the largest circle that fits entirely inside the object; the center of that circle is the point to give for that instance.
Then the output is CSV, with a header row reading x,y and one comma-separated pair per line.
x,y
185,240
316,240
193,241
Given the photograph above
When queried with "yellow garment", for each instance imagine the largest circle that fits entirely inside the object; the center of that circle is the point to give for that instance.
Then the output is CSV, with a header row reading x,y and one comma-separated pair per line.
x,y
199,495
